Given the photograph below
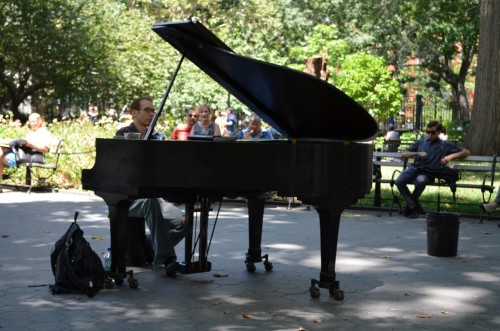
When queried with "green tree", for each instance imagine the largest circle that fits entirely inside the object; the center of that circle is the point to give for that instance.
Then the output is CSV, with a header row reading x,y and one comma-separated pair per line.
x,y
45,45
365,78
442,34
361,75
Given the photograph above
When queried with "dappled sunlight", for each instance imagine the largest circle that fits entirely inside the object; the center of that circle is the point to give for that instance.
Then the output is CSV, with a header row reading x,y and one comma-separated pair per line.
x,y
353,264
482,277
292,247
305,315
278,222
227,298
388,250
422,299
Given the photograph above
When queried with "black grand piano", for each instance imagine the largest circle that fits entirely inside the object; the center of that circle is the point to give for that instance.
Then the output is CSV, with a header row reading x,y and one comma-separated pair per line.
x,y
323,160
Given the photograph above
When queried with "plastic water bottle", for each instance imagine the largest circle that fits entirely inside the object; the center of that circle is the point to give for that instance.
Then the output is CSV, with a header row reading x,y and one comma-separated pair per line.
x,y
107,260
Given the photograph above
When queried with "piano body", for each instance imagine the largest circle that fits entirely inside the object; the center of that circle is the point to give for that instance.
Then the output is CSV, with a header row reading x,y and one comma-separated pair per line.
x,y
323,162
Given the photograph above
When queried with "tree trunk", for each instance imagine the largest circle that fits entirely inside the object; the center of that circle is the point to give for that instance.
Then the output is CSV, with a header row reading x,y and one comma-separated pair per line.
x,y
14,107
484,135
459,103
316,66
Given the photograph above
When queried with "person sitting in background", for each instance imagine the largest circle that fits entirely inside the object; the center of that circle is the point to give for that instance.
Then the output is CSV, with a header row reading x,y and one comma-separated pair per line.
x,y
392,140
29,149
391,133
431,157
205,127
182,130
254,130
164,221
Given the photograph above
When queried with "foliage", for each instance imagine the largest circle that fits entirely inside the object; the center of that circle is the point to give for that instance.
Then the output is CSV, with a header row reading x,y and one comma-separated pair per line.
x,y
45,45
442,35
360,75
366,79
323,41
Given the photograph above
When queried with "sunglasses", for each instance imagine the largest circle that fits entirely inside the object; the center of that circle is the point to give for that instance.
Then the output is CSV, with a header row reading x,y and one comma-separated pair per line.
x,y
149,110
431,131
192,115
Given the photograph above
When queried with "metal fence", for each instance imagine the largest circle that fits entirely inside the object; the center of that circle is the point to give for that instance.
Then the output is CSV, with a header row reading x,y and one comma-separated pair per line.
x,y
417,111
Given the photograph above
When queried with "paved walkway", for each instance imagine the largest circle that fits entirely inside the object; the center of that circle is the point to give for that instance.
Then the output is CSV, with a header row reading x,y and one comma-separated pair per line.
x,y
390,282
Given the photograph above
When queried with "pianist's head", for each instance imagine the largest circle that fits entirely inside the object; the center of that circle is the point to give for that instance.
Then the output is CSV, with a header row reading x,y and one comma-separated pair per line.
x,y
142,111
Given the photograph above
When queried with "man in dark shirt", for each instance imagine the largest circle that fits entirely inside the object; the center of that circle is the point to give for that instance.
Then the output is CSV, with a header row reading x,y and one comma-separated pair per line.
x,y
165,221
431,156
143,112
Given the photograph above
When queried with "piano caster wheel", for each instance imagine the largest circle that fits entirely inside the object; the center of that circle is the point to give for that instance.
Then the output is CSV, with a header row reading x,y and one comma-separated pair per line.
x,y
268,265
132,282
251,267
337,293
109,283
314,292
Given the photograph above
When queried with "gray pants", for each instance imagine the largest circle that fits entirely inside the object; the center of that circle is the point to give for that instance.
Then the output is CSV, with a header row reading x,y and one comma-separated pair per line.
x,y
164,223
410,175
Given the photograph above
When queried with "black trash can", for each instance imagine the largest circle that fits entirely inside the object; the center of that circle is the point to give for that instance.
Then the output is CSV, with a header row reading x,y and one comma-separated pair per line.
x,y
442,234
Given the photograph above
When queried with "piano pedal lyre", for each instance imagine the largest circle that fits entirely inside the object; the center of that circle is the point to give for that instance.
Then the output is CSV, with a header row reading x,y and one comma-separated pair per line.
x,y
333,289
250,262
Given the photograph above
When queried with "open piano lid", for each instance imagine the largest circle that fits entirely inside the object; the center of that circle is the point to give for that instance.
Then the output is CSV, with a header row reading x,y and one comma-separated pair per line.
x,y
298,105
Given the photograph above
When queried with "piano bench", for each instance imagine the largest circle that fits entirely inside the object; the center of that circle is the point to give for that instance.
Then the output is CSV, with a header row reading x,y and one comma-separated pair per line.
x,y
139,250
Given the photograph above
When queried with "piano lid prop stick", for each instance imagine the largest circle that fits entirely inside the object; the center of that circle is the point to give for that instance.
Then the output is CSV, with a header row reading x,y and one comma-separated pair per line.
x,y
163,100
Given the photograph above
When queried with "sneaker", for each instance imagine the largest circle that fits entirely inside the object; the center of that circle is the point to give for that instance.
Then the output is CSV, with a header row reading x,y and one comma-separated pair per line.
x,y
171,266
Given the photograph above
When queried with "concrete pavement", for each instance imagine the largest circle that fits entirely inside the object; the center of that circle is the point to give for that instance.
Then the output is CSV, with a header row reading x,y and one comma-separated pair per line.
x,y
390,282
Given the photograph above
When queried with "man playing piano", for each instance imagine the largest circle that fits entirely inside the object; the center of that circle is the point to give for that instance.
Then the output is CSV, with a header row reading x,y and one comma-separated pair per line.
x,y
142,112
165,221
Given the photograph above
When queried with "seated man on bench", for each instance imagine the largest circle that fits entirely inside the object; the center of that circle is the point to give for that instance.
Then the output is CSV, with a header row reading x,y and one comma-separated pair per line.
x,y
431,157
30,149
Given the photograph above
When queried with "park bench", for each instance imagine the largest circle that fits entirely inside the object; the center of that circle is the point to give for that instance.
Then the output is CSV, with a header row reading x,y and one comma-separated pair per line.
x,y
475,172
41,171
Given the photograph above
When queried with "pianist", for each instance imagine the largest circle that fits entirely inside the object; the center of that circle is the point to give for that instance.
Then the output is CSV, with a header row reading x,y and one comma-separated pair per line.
x,y
165,222
142,112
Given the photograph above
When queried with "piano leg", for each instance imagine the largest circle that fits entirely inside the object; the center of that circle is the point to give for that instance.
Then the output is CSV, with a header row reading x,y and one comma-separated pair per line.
x,y
256,204
118,213
329,218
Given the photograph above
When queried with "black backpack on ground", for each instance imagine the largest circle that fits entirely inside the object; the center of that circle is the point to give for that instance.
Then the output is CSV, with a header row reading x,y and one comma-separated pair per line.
x,y
76,267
